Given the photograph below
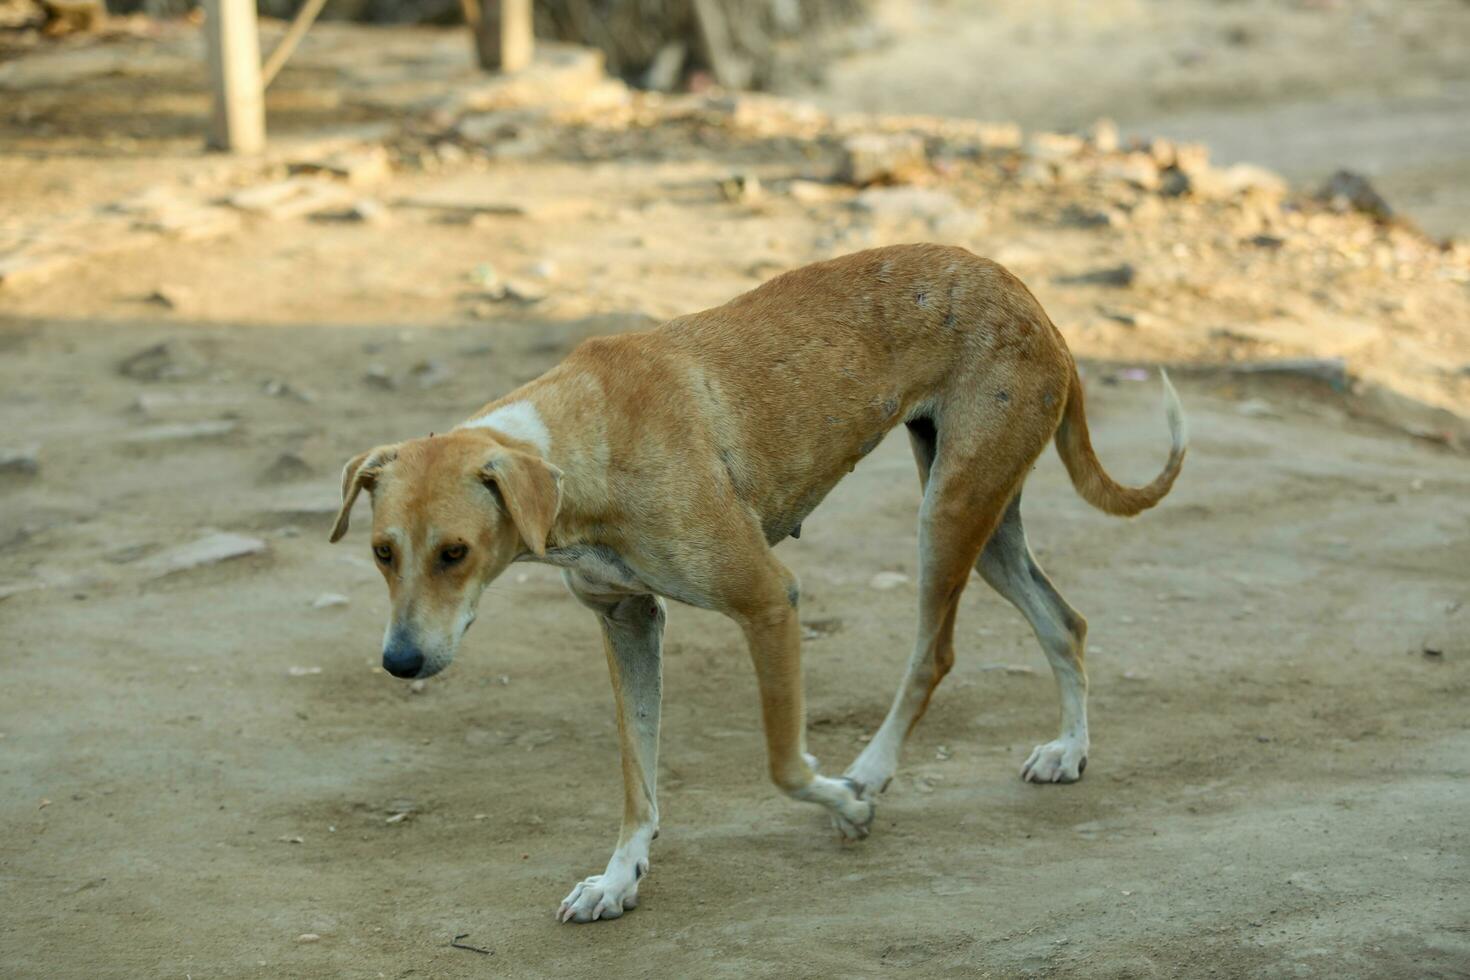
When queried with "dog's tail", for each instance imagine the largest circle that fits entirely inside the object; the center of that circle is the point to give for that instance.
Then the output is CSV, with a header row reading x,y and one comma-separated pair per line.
x,y
1091,481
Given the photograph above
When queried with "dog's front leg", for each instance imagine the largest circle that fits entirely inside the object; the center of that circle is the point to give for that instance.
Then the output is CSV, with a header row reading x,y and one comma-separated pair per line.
x,y
632,634
774,635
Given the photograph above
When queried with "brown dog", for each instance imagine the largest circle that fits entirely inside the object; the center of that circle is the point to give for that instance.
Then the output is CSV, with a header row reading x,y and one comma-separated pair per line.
x,y
668,463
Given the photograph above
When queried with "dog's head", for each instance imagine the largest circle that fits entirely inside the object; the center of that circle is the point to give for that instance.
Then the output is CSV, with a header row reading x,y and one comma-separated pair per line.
x,y
450,512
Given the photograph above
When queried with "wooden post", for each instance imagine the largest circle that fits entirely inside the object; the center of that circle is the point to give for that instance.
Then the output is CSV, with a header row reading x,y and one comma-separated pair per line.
x,y
237,122
504,35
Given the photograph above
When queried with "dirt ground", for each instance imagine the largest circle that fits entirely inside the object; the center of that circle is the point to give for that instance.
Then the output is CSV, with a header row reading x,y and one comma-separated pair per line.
x,y
198,768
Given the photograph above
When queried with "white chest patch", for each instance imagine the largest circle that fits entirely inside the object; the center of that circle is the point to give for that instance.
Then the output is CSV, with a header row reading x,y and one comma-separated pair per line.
x,y
519,420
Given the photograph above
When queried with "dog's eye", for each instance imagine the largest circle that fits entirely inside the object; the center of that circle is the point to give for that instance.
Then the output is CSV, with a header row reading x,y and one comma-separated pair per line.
x,y
453,554
383,552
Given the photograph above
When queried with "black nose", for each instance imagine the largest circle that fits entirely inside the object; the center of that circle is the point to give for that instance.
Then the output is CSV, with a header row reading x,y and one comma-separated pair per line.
x,y
403,660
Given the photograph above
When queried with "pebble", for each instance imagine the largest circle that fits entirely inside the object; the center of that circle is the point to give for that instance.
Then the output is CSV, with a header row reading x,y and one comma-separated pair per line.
x,y
418,686
308,937
887,581
378,376
183,431
430,372
172,297
870,158
20,462
329,600
303,671
208,550
1117,275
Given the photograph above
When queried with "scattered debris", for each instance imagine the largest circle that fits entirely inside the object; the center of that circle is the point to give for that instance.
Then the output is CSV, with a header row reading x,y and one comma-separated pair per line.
x,y
295,197
741,189
455,942
815,629
1349,191
378,376
1120,276
24,461
171,360
208,550
183,431
1257,408
524,291
277,388
171,297
369,212
360,167
873,158
887,581
430,372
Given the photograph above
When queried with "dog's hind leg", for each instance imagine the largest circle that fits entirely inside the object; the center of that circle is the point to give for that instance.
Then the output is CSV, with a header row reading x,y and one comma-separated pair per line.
x,y
632,634
1009,567
963,502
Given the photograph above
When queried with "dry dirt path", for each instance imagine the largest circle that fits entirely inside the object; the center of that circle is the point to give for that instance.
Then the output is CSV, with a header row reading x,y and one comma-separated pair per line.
x,y
1277,787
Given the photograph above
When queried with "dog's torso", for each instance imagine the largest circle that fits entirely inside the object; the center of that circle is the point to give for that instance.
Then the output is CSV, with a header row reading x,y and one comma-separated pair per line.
x,y
772,398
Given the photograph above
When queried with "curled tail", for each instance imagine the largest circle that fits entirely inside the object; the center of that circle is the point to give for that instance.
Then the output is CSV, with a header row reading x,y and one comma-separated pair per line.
x,y
1091,481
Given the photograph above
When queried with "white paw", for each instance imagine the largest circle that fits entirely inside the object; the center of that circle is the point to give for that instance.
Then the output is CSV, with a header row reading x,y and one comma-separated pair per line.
x,y
1061,761
604,896
853,816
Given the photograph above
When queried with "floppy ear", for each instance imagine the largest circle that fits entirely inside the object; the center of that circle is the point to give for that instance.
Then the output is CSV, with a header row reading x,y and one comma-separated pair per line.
x,y
361,471
530,489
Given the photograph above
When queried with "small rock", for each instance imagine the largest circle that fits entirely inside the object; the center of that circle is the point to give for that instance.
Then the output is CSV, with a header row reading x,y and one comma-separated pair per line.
x,y
288,466
183,431
1054,147
1104,136
742,189
20,462
329,600
1137,169
369,212
545,269
303,671
168,361
871,158
525,291
308,937
1257,408
418,686
809,191
1008,668
360,167
886,581
1119,316
297,197
430,372
1117,275
1349,191
172,297
815,629
208,550
277,388
378,376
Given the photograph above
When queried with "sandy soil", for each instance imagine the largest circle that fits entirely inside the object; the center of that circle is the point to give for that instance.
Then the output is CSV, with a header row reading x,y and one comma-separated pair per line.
x,y
197,769
1278,770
